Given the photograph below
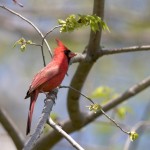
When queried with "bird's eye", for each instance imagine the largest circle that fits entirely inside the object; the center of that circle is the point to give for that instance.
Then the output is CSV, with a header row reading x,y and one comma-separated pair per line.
x,y
67,52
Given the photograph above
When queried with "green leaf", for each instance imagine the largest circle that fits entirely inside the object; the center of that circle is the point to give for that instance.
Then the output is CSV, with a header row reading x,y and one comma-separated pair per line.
x,y
77,21
94,107
133,136
102,92
23,42
61,22
23,47
121,111
29,42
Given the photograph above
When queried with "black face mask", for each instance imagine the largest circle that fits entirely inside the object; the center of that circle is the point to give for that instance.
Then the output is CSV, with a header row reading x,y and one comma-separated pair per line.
x,y
67,54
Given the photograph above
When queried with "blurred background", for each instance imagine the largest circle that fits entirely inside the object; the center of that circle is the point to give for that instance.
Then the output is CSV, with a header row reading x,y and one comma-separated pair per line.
x,y
129,23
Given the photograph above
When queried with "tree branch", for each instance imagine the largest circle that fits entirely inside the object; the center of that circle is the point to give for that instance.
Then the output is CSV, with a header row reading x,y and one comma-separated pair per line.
x,y
53,137
135,89
11,129
64,134
83,70
84,58
49,102
124,50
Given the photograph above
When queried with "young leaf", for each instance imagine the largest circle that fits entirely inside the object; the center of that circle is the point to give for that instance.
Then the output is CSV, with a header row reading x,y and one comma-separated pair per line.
x,y
23,47
29,42
133,136
94,107
77,21
23,42
103,92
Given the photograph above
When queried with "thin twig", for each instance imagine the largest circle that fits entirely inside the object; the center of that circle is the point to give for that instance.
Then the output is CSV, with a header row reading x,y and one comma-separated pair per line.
x,y
112,120
16,2
64,134
69,87
34,26
48,34
51,31
94,103
35,44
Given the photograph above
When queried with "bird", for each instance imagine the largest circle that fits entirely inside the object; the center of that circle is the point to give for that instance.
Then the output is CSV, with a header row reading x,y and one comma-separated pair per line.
x,y
49,78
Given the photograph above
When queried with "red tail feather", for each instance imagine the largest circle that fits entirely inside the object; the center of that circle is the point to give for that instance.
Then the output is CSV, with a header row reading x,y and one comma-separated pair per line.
x,y
31,108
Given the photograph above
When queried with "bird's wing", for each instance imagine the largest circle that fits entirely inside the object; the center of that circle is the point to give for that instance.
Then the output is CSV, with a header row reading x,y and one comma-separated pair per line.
x,y
44,75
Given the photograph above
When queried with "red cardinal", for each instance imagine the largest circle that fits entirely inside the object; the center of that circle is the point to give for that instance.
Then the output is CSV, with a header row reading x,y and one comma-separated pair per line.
x,y
49,77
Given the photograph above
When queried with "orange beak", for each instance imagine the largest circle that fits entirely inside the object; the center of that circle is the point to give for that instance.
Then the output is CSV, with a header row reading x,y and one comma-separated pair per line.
x,y
71,54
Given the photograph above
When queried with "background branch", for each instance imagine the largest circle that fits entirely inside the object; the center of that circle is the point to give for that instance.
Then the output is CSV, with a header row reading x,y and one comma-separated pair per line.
x,y
11,129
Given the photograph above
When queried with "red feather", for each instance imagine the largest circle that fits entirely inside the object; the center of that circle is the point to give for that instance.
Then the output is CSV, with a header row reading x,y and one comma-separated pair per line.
x,y
49,77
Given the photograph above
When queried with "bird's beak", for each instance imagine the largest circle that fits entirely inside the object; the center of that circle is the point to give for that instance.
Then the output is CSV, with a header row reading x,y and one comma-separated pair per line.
x,y
71,54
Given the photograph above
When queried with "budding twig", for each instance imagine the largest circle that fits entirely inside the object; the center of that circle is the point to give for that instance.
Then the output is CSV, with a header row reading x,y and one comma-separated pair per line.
x,y
98,107
72,88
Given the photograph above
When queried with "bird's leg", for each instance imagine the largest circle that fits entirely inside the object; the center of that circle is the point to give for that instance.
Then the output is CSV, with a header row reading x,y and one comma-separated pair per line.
x,y
41,91
48,96
52,95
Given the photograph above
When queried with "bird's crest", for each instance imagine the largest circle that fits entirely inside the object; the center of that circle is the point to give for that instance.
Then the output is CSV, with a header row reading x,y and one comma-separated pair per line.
x,y
61,47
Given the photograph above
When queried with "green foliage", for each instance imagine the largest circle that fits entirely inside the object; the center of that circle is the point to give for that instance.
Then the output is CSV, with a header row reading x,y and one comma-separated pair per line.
x,y
23,42
77,21
94,107
133,136
121,111
105,93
